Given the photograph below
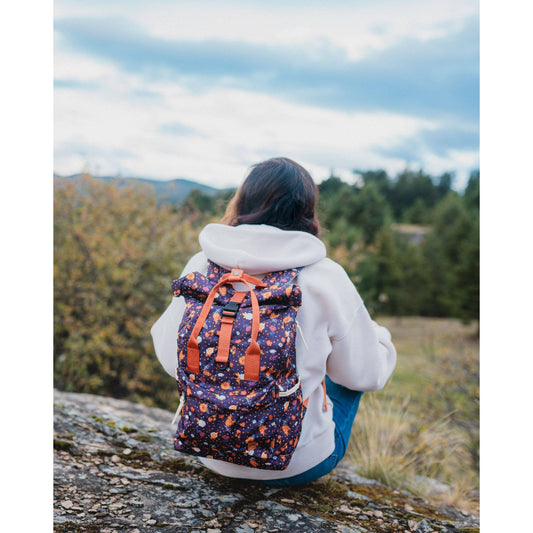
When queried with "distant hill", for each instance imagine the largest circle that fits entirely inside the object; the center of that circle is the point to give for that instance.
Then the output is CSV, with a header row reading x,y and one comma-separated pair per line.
x,y
172,191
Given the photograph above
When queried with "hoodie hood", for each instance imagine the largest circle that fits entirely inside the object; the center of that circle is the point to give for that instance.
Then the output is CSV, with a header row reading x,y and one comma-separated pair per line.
x,y
257,248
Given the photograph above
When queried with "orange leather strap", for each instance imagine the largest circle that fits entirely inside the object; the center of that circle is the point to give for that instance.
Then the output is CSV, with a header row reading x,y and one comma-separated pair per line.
x,y
252,357
253,353
193,351
226,328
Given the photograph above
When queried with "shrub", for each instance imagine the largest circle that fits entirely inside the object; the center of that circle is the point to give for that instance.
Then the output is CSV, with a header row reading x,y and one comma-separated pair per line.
x,y
115,254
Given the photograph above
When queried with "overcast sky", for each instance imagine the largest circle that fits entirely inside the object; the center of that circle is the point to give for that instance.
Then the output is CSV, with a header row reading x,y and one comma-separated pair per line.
x,y
203,89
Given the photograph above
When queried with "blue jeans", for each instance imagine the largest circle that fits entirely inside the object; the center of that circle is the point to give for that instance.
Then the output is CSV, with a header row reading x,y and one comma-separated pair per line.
x,y
345,405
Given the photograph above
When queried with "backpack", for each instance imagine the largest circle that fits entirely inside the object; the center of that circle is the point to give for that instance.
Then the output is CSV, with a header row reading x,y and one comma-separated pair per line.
x,y
240,394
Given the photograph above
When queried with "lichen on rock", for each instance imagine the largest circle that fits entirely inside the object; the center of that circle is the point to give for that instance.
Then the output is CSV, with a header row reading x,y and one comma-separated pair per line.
x,y
115,470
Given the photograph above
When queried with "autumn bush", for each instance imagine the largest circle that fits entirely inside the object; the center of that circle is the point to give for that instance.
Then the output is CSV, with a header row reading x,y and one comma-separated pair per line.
x,y
115,254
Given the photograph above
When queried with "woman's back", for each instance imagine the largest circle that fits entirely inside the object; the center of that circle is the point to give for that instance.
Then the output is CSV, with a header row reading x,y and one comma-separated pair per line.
x,y
271,226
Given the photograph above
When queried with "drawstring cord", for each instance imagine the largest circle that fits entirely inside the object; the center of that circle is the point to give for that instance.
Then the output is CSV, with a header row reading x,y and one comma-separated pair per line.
x,y
177,416
301,334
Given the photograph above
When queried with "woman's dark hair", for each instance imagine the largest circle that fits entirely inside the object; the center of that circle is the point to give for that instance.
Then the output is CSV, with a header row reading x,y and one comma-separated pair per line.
x,y
277,192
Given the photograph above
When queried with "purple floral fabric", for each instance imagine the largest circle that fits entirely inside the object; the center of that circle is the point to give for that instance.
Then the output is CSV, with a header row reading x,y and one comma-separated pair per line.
x,y
224,416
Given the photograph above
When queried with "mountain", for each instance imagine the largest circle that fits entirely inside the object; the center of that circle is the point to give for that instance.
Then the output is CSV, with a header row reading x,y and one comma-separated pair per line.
x,y
172,191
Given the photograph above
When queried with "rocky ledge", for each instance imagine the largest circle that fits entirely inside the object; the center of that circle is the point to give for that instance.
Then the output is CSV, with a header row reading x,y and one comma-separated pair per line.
x,y
115,470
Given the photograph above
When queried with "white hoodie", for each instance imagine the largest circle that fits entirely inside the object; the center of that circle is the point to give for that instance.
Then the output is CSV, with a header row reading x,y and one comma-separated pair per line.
x,y
336,334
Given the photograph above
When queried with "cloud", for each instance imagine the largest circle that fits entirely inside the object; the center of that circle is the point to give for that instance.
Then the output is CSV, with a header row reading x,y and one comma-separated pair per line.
x,y
430,78
441,141
144,95
62,83
204,89
176,129
355,26
214,136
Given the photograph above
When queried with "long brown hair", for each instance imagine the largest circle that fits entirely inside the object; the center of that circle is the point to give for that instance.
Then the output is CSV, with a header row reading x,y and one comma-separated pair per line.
x,y
278,192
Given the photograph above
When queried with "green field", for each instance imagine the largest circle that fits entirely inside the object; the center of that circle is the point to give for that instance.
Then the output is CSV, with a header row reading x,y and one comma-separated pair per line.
x,y
426,346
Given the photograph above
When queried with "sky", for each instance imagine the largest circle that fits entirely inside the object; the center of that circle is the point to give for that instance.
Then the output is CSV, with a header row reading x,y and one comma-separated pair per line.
x,y
203,89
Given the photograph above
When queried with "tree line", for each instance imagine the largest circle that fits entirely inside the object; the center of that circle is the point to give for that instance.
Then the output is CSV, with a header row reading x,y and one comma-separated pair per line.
x,y
370,223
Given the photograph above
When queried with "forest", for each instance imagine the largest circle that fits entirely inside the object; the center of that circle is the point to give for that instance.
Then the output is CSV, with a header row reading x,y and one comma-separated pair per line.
x,y
410,244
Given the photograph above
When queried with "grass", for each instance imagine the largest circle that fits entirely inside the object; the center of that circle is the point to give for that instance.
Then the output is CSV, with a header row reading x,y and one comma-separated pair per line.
x,y
424,425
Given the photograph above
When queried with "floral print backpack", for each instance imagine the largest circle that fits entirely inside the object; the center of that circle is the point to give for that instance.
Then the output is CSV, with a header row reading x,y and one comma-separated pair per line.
x,y
240,394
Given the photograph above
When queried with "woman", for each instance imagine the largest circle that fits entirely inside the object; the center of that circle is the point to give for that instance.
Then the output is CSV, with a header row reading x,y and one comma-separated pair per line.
x,y
271,225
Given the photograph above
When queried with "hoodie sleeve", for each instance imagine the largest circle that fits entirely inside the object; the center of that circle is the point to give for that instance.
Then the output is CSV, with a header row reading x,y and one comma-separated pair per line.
x,y
361,354
364,358
165,330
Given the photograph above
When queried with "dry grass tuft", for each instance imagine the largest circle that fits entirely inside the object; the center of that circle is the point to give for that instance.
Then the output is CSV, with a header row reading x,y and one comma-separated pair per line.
x,y
393,446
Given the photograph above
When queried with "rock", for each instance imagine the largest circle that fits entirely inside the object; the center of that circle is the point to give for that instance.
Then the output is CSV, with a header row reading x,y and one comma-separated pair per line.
x,y
244,528
349,510
119,472
423,527
432,485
